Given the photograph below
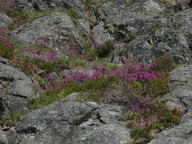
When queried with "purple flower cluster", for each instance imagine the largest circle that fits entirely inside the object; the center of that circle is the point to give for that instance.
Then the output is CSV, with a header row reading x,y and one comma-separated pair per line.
x,y
93,44
145,122
41,42
71,53
6,39
40,55
99,72
136,72
142,115
81,77
131,73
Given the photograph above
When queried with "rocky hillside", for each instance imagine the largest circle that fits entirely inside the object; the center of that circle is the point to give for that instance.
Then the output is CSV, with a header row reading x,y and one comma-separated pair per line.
x,y
95,72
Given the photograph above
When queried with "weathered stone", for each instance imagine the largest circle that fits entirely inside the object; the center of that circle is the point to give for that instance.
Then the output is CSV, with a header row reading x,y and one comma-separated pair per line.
x,y
183,73
16,90
36,5
72,97
9,73
176,135
3,138
12,136
100,35
53,122
5,20
153,37
85,27
22,88
107,134
109,113
56,28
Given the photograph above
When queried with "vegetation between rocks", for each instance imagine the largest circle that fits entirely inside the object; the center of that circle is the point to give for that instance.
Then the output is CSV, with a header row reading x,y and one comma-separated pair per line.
x,y
145,116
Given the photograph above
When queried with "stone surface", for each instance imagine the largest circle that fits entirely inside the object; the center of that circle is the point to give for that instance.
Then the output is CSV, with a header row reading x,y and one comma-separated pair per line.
x,y
36,5
85,27
9,73
183,73
5,20
100,35
52,123
71,123
16,90
72,97
3,138
107,134
56,28
153,34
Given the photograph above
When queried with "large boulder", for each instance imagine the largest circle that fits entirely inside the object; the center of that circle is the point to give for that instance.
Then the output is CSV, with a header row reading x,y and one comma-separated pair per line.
x,y
56,28
16,90
73,122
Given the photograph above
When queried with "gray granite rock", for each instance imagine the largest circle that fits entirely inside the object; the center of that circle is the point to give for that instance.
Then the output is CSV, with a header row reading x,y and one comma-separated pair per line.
x,y
36,5
71,122
5,20
99,34
16,90
155,34
183,73
85,27
3,138
107,134
9,73
56,28
72,97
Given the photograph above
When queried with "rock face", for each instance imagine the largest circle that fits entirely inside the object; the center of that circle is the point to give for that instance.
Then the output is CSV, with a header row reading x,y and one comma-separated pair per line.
x,y
146,31
180,97
3,138
16,90
100,35
72,123
176,135
5,20
57,29
36,5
